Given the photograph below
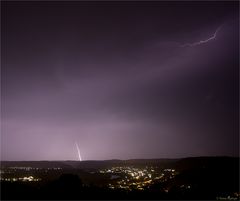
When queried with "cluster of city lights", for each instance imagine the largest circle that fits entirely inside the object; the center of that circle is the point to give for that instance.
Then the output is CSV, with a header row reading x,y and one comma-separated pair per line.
x,y
128,177
24,179
33,168
11,174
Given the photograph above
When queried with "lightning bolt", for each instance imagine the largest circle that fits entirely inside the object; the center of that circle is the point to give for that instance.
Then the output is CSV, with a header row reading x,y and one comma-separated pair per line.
x,y
202,41
79,155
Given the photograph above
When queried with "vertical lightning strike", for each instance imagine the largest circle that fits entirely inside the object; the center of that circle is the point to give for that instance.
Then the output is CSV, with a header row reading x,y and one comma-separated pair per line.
x,y
202,41
79,155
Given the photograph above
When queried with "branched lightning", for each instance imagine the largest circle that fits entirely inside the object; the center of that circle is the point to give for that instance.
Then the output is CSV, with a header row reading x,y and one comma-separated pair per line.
x,y
202,41
79,155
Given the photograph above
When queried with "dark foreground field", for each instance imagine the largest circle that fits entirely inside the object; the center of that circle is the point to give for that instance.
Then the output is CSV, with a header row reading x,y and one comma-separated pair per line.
x,y
190,178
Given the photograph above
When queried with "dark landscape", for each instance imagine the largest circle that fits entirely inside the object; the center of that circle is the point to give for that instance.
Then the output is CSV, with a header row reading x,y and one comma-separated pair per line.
x,y
206,178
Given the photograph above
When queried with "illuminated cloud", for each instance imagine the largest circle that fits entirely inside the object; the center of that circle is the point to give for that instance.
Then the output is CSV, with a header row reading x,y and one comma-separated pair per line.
x,y
105,75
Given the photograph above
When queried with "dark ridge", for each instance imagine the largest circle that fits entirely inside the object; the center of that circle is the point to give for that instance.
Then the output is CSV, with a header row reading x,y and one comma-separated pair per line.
x,y
181,164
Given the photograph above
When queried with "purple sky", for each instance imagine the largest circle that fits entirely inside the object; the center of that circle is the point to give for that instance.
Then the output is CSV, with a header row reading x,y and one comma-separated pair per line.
x,y
122,79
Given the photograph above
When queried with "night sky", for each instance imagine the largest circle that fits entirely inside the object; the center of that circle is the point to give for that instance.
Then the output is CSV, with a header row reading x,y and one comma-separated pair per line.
x,y
121,79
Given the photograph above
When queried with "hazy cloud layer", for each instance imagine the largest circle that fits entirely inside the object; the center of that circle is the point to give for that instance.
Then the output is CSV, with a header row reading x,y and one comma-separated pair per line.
x,y
115,78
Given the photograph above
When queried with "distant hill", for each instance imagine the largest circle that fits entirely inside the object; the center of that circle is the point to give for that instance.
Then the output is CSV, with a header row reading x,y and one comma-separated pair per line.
x,y
180,164
35,164
204,162
88,164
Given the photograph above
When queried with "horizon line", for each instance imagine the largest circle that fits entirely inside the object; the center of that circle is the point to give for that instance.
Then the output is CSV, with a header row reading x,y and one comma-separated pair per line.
x,y
165,158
